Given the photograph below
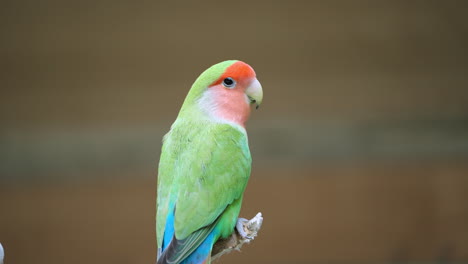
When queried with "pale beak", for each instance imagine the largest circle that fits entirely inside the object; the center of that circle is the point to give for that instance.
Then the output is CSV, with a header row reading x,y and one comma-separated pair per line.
x,y
255,93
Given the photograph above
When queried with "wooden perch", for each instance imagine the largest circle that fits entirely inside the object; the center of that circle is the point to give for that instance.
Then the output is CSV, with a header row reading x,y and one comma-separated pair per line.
x,y
236,240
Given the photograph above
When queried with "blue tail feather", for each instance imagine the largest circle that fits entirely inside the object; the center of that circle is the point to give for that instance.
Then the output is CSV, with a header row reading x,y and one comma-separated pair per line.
x,y
203,251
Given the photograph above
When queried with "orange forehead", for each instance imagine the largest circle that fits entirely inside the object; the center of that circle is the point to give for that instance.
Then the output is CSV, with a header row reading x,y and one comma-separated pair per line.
x,y
238,71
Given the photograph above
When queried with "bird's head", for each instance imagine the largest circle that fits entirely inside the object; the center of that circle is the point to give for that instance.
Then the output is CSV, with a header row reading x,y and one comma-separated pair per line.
x,y
225,92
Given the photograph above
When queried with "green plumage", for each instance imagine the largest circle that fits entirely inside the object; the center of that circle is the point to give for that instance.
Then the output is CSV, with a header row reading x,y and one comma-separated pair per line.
x,y
204,168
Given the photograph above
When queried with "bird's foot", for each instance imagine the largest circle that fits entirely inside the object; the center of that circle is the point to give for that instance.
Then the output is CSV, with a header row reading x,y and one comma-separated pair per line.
x,y
241,223
248,229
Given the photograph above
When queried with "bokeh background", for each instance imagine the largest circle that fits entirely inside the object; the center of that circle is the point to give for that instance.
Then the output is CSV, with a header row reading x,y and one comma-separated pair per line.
x,y
360,148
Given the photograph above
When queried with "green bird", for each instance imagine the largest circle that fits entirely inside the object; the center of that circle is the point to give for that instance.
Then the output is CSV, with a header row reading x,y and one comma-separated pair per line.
x,y
205,164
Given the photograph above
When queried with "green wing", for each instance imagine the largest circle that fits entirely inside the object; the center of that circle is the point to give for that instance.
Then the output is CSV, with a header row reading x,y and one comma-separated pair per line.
x,y
216,170
204,168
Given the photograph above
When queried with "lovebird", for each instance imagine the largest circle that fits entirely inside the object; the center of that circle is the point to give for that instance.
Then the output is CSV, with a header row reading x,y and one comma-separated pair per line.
x,y
205,164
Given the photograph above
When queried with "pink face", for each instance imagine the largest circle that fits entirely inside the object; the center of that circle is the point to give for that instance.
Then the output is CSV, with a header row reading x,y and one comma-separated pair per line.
x,y
230,97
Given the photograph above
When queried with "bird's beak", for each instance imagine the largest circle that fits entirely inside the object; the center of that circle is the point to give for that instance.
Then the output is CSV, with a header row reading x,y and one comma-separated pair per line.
x,y
255,93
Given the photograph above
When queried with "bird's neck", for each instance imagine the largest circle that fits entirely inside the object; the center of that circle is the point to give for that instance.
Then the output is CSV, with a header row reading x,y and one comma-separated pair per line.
x,y
225,106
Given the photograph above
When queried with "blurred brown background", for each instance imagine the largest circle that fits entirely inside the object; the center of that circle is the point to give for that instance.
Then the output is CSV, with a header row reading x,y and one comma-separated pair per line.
x,y
360,148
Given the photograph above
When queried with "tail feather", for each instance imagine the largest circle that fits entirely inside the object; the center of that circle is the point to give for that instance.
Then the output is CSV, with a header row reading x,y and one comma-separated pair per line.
x,y
191,250
195,249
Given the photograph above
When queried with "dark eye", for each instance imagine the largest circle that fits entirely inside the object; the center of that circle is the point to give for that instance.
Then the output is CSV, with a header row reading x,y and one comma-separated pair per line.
x,y
229,82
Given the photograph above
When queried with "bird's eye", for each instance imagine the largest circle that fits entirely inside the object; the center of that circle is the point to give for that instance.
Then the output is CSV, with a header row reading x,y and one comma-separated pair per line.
x,y
229,82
